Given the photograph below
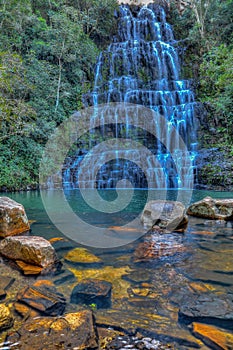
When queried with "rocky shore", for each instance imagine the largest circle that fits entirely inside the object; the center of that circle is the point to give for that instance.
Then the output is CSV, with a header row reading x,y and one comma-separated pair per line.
x,y
54,295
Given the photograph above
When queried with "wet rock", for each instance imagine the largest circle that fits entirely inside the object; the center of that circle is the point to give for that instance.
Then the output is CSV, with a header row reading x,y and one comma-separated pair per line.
x,y
44,298
213,337
92,291
168,215
157,246
24,310
32,250
82,256
6,319
13,219
216,209
72,331
206,307
109,274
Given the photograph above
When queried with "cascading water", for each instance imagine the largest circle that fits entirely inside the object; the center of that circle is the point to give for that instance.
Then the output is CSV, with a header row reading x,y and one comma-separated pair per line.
x,y
140,66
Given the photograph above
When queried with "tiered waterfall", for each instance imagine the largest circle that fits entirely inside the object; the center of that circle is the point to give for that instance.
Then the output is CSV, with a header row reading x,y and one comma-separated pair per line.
x,y
141,66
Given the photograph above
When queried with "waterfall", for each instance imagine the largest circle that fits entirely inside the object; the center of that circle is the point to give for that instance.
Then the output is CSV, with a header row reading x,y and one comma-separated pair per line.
x,y
140,67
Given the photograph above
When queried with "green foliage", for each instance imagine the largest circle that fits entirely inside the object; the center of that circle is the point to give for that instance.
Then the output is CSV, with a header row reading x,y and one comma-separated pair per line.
x,y
48,50
217,87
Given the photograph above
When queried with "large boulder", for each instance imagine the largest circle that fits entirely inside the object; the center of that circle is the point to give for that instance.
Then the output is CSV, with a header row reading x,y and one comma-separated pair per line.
x,y
216,209
32,250
168,215
13,219
72,331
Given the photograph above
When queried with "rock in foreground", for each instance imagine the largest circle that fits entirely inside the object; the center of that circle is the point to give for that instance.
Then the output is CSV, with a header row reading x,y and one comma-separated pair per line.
x,y
168,215
43,298
209,208
72,331
13,219
32,250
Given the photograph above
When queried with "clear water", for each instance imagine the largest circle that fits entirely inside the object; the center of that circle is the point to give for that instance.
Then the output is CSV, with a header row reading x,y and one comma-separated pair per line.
x,y
144,293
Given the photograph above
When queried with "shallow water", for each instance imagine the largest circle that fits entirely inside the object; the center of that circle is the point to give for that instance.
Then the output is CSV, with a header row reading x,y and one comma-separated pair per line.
x,y
146,296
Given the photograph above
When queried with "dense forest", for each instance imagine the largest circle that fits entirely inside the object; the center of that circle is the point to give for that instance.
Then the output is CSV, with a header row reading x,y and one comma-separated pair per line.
x,y
48,51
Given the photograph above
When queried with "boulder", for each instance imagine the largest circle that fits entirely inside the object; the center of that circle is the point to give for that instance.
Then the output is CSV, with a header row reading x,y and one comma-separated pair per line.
x,y
216,209
44,298
213,337
168,215
92,292
6,319
32,250
13,219
72,331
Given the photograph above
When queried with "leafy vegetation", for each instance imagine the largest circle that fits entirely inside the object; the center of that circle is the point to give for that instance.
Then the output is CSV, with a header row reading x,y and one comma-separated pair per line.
x,y
204,29
48,50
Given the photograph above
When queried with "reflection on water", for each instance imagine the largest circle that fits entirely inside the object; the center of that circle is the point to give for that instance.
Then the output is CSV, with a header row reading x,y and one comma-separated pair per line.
x,y
146,295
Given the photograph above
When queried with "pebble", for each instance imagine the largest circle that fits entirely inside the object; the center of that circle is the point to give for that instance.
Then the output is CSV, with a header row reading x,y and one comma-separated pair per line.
x,y
134,343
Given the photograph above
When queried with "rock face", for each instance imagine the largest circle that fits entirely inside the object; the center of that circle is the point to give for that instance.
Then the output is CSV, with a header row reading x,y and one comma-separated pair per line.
x,y
92,291
13,219
32,250
72,331
216,209
168,215
44,299
212,336
6,319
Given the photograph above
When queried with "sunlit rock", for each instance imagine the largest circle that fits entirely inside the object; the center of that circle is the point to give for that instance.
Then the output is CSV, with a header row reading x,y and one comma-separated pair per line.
x,y
168,215
72,331
216,209
213,337
13,219
44,298
6,319
32,250
82,256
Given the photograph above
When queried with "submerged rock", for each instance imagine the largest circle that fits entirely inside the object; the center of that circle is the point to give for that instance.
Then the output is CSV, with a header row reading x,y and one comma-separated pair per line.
x,y
72,331
206,307
94,292
216,209
168,215
44,298
6,319
32,250
82,256
212,336
13,219
157,246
